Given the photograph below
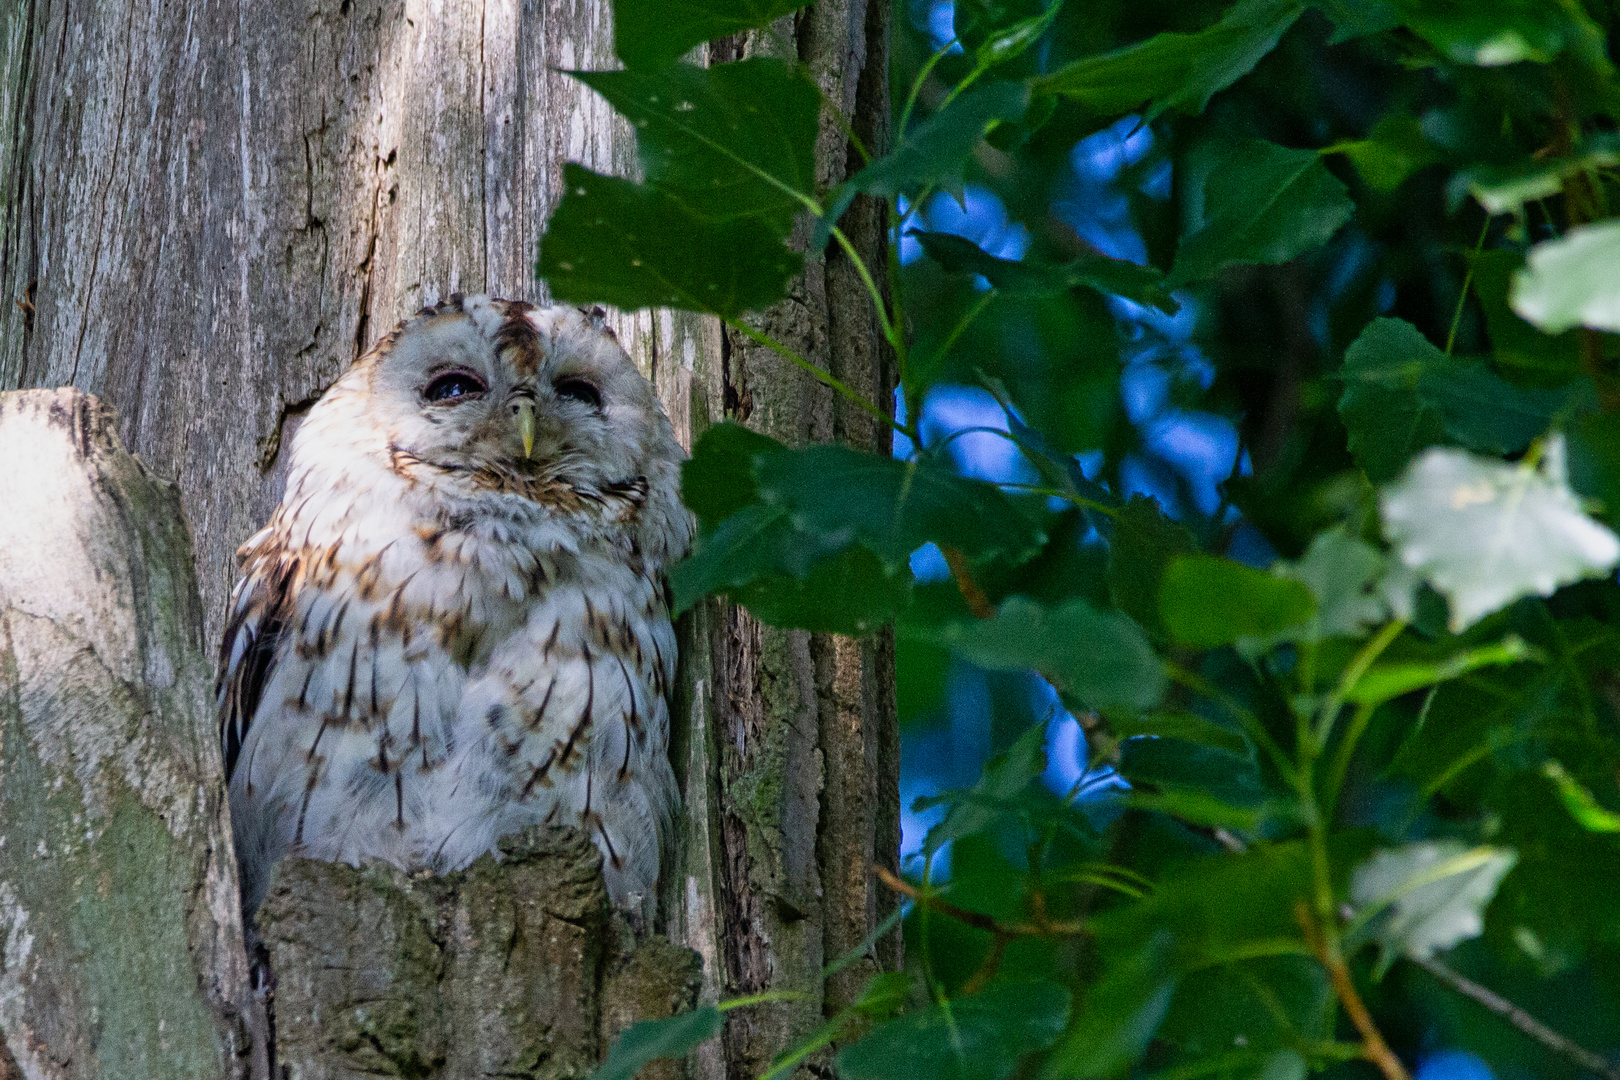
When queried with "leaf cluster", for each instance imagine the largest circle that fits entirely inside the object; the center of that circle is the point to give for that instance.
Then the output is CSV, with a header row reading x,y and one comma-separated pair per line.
x,y
1351,713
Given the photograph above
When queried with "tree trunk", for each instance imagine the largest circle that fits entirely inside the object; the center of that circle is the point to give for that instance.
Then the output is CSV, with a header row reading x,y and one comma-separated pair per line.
x,y
210,209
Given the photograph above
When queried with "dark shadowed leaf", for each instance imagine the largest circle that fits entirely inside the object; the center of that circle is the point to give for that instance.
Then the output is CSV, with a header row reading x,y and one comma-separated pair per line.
x,y
1403,394
1120,1013
1028,277
647,33
649,1040
1175,71
1262,203
1207,601
981,1037
1098,658
934,152
1141,546
619,243
731,141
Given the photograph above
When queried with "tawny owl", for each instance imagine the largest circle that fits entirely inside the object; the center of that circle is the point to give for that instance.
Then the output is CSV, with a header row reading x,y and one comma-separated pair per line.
x,y
455,624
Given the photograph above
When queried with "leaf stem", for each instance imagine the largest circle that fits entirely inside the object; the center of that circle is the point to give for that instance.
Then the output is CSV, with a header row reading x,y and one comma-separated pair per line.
x,y
1363,660
1251,723
1468,281
1324,943
819,375
767,998
878,303
917,84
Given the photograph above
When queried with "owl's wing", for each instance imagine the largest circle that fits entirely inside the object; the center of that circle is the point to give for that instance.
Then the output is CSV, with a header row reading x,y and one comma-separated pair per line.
x,y
261,616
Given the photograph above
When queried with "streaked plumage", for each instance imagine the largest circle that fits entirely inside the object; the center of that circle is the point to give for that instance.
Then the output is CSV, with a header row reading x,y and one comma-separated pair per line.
x,y
439,639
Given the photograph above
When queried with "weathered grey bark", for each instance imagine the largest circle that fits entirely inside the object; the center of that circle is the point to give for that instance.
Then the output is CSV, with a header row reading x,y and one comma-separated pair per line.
x,y
211,208
118,897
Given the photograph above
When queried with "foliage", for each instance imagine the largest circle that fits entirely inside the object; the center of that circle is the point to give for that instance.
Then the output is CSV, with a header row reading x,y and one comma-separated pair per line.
x,y
1354,714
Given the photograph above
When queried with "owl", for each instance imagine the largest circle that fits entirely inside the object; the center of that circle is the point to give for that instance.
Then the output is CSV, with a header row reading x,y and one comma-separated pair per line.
x,y
456,622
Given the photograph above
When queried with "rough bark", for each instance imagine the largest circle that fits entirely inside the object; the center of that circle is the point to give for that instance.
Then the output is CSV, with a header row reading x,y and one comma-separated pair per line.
x,y
118,895
509,968
210,209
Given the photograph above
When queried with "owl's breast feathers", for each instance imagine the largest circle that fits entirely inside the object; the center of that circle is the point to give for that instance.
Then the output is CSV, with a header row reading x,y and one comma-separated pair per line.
x,y
415,665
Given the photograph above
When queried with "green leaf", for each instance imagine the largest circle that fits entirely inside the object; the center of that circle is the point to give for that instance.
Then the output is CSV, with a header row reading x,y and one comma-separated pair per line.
x,y
614,242
1594,462
1207,601
1120,1014
718,479
1485,533
1391,152
1425,897
1402,394
1390,679
1262,203
1570,281
648,33
895,507
1185,726
788,577
1010,42
731,141
1505,189
933,153
1004,778
1503,32
649,1040
849,592
1175,71
1197,782
1142,544
1517,347
1099,658
820,537
1340,571
1028,277
981,1037
1580,803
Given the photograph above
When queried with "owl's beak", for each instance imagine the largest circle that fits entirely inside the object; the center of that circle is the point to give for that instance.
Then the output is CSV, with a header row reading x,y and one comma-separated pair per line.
x,y
524,408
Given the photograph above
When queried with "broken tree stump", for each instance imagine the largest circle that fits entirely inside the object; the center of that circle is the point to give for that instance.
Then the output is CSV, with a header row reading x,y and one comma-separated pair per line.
x,y
118,898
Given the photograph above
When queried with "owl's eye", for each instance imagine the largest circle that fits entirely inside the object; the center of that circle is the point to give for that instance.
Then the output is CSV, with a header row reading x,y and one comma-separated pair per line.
x,y
579,390
452,385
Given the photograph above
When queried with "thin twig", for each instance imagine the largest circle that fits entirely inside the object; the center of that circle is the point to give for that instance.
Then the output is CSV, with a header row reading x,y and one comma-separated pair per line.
x,y
977,601
1520,1019
988,969
1373,1046
976,919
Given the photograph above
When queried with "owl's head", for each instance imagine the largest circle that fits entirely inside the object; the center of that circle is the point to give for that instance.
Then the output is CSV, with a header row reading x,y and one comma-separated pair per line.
x,y
499,398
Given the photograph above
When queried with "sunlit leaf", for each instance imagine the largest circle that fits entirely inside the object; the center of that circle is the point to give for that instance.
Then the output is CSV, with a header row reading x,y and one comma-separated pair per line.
x,y
1207,601
1505,189
1570,281
1484,532
614,242
647,33
981,1037
1393,678
648,1040
1340,571
1262,203
1425,897
1175,71
1503,32
1580,803
730,141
